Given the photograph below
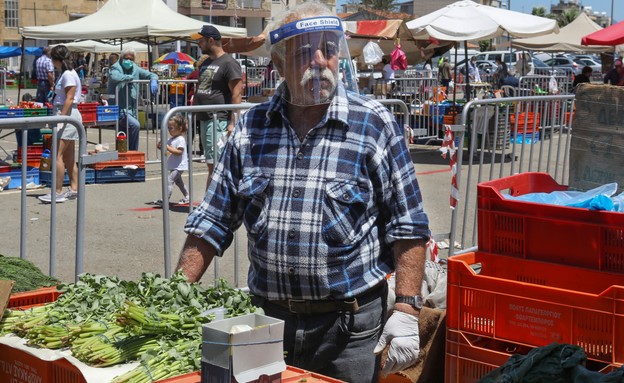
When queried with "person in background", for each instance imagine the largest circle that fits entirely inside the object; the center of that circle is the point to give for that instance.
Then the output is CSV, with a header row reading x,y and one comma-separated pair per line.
x,y
324,184
616,74
501,72
523,66
177,161
122,73
473,70
428,68
220,82
80,65
112,59
65,102
444,73
45,80
585,76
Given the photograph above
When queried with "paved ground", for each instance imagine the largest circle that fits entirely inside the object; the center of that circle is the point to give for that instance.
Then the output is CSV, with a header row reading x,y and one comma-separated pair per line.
x,y
124,236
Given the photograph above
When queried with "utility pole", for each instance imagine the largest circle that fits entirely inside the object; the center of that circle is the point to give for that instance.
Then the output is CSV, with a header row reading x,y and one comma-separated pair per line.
x,y
611,12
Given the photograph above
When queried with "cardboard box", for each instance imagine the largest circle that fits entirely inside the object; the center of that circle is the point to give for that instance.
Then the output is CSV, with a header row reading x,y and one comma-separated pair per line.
x,y
249,356
596,154
5,293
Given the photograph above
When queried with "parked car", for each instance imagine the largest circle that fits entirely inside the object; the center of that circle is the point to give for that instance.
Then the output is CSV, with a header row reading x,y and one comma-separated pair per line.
x,y
562,62
596,67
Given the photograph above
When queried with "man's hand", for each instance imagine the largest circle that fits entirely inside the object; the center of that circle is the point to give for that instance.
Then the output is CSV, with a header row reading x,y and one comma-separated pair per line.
x,y
401,333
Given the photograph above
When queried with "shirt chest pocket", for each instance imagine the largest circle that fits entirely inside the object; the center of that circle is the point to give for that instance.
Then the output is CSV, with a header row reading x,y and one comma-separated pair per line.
x,y
345,212
253,190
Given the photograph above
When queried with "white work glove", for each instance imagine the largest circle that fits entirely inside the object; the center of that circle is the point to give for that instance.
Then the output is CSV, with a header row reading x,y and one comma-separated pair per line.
x,y
401,333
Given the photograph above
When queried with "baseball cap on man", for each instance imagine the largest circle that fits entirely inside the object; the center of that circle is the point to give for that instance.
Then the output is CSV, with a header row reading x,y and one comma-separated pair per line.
x,y
207,31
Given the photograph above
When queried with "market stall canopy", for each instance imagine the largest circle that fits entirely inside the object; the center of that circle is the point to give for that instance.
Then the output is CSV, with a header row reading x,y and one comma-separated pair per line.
x,y
174,58
250,46
128,19
6,52
99,47
385,33
567,40
466,20
612,35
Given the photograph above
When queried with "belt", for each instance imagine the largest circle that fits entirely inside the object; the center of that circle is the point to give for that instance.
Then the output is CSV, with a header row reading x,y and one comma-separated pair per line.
x,y
303,306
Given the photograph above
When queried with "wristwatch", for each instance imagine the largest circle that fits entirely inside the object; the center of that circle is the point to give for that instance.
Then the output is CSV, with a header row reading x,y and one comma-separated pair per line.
x,y
416,301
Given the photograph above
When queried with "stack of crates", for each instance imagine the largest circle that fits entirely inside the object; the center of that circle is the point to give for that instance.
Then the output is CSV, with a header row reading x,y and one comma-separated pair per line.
x,y
128,167
88,111
33,155
543,274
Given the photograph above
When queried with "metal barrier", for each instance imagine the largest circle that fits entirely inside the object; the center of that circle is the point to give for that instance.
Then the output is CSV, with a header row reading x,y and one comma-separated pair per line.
x,y
25,124
190,111
538,85
253,81
504,137
3,85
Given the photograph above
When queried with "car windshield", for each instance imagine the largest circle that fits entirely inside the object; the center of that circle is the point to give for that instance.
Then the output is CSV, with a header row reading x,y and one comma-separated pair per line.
x,y
537,63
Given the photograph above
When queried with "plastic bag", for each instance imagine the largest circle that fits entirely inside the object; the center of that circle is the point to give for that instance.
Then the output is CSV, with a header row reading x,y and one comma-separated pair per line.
x,y
552,85
372,53
595,199
398,59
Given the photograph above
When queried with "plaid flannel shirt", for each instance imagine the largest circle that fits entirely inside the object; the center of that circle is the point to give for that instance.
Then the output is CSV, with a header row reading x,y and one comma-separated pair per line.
x,y
321,215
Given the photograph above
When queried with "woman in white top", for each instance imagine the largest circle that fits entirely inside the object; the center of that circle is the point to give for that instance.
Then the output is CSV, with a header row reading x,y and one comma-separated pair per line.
x,y
65,100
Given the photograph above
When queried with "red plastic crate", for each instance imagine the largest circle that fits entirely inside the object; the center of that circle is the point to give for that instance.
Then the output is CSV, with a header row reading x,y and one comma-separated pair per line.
x,y
536,303
527,122
469,358
88,110
559,234
32,151
32,298
131,157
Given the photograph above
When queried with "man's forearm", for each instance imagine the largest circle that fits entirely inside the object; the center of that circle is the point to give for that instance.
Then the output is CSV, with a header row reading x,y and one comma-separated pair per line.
x,y
195,258
409,261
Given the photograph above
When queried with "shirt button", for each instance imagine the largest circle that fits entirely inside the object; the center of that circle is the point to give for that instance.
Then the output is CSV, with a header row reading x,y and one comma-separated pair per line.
x,y
299,156
291,270
346,196
291,233
296,193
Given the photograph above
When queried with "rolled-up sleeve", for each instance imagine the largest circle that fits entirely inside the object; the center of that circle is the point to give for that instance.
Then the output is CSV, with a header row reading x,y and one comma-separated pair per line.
x,y
219,214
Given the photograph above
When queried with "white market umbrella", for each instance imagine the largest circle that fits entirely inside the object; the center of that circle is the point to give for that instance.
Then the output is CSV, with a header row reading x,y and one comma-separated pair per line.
x,y
466,20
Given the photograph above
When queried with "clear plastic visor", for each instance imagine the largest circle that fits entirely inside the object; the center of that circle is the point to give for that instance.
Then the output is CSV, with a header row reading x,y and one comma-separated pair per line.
x,y
314,64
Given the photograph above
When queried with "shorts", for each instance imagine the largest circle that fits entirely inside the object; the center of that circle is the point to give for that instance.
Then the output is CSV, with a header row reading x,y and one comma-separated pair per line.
x,y
70,132
205,134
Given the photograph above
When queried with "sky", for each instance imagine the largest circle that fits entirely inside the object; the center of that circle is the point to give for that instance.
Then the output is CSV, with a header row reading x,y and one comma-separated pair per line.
x,y
527,5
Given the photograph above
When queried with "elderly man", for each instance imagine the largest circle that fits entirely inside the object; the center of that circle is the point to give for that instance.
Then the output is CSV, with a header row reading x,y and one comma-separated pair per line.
x,y
121,73
615,75
323,182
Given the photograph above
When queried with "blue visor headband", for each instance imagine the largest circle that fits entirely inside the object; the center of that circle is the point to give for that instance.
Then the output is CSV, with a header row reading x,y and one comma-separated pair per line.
x,y
312,24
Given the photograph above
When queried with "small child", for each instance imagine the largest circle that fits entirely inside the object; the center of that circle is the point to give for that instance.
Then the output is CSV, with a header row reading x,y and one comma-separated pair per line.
x,y
177,161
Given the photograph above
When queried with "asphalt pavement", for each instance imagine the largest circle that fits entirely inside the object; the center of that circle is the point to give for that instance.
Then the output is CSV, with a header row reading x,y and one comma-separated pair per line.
x,y
124,235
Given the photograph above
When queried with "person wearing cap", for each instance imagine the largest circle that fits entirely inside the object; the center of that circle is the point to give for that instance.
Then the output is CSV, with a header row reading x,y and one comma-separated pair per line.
x,y
322,179
444,73
616,74
120,75
220,82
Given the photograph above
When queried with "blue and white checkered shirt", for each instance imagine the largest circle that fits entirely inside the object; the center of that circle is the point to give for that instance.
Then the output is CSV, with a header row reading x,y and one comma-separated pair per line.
x,y
321,214
44,66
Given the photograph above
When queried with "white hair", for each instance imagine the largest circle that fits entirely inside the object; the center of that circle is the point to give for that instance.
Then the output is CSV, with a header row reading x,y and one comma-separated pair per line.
x,y
298,12
128,50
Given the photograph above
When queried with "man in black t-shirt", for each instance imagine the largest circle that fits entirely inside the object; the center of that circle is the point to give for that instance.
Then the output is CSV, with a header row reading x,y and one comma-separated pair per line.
x,y
220,82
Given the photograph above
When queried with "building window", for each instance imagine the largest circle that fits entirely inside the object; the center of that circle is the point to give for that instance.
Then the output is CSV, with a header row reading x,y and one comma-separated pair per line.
x,y
11,13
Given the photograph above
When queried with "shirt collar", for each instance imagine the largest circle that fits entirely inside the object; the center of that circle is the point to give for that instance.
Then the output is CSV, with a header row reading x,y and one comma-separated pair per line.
x,y
338,109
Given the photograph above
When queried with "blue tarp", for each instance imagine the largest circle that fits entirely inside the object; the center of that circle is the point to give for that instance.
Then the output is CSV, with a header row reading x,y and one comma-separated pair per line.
x,y
6,52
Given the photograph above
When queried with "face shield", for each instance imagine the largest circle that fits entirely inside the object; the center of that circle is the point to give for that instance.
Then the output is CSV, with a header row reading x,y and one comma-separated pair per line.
x,y
315,58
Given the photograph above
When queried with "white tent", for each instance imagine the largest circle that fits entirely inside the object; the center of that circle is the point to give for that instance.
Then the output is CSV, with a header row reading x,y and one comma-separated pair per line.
x,y
567,40
98,47
128,19
466,20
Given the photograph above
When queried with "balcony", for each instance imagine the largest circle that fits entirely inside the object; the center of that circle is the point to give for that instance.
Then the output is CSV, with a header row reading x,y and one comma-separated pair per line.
x,y
214,4
249,4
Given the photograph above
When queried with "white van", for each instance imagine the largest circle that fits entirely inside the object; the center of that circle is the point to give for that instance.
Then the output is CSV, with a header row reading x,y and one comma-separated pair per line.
x,y
509,58
461,55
